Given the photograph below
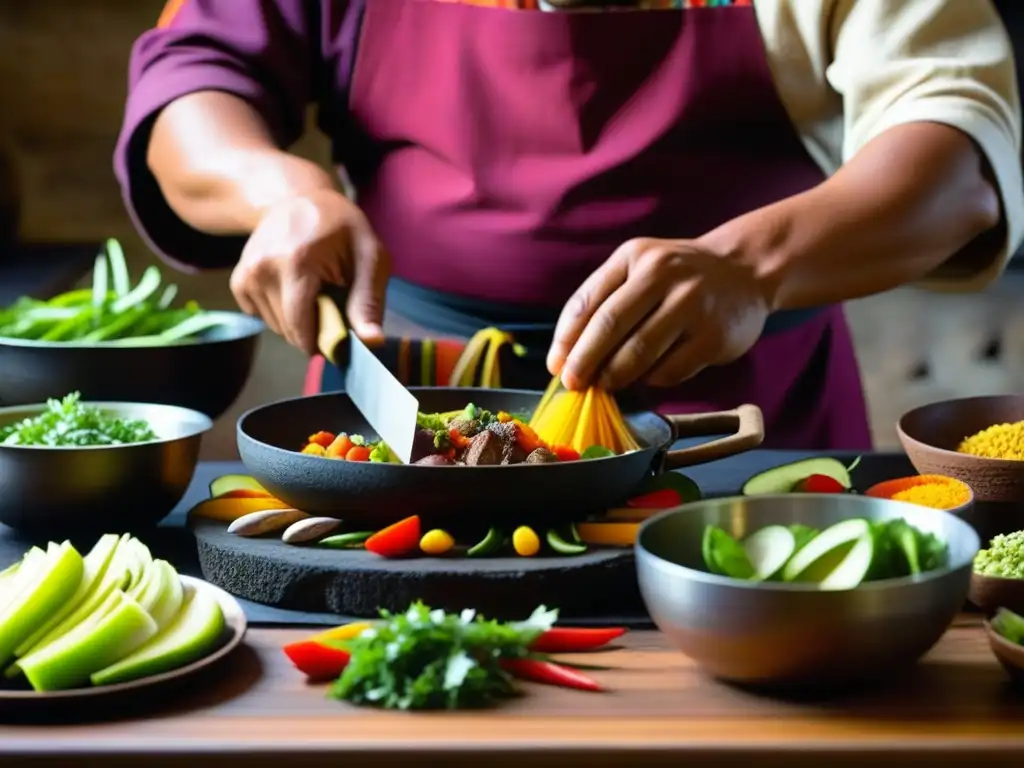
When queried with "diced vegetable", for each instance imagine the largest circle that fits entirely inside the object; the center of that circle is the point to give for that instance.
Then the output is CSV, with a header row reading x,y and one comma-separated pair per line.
x,y
437,542
525,541
398,540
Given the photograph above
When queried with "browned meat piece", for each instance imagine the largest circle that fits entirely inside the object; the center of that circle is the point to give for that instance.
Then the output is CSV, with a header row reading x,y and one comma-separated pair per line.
x,y
541,456
422,444
484,450
464,427
512,453
435,460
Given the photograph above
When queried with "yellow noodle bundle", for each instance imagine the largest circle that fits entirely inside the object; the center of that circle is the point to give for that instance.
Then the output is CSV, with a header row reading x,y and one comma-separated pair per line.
x,y
581,419
484,347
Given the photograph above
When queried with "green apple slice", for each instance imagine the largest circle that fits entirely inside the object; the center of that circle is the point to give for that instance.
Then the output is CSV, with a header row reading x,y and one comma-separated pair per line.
x,y
169,602
138,564
23,576
70,661
54,583
193,633
115,577
854,567
769,549
95,566
823,554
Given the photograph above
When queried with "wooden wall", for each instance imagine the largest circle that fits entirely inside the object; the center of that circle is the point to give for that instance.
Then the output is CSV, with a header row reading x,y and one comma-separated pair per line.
x,y
63,70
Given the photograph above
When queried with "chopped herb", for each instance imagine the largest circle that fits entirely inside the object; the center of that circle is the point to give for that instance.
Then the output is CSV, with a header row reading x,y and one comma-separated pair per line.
x,y
69,422
429,659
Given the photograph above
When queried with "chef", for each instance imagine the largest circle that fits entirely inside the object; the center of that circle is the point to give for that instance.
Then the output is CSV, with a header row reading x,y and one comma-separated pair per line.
x,y
667,201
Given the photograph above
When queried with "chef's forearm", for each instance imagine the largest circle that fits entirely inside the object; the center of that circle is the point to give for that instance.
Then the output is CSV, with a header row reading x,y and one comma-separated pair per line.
x,y
218,166
916,199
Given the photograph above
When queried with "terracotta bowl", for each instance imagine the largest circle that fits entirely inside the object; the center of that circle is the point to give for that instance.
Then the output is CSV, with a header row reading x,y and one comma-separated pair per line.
x,y
889,488
993,592
931,434
1010,655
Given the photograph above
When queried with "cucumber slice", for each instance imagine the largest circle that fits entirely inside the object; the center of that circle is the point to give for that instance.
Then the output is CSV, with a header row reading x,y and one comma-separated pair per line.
x,y
228,483
769,549
826,551
724,555
783,479
854,567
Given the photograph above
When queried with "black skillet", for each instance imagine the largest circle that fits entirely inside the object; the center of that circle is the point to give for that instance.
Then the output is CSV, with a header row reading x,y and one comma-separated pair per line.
x,y
270,436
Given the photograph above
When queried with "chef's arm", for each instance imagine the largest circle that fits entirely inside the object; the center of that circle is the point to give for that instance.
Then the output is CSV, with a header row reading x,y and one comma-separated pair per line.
x,y
217,92
218,165
931,190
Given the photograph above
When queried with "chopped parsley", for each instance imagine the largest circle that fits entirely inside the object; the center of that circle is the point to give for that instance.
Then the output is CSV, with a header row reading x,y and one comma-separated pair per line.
x,y
69,422
429,659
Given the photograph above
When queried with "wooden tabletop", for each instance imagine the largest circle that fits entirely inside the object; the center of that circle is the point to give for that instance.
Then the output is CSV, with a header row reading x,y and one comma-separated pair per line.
x,y
954,709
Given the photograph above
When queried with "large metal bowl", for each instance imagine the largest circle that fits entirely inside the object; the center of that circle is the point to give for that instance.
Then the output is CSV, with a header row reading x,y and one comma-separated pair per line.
x,y
795,635
117,488
205,374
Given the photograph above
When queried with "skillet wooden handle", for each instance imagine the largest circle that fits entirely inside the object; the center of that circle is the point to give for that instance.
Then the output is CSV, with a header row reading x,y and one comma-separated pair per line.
x,y
332,328
746,424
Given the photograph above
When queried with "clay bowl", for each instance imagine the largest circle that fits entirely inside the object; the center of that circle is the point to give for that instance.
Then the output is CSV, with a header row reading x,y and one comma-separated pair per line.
x,y
1010,655
930,435
993,592
889,488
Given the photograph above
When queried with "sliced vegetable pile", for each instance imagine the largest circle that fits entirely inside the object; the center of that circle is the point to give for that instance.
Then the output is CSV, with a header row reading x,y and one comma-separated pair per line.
x,y
69,422
839,557
470,437
115,615
821,474
250,510
1003,558
429,659
113,310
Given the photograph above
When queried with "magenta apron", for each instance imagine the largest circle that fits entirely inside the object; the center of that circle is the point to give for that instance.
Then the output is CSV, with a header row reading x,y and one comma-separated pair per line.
x,y
502,155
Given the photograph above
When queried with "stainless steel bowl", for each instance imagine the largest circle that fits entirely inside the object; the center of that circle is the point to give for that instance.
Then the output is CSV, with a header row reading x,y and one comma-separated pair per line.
x,y
784,635
116,488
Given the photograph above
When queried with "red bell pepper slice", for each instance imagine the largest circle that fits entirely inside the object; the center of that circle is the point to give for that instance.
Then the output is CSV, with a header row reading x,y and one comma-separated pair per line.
x,y
398,540
548,673
820,484
565,452
666,498
316,660
575,639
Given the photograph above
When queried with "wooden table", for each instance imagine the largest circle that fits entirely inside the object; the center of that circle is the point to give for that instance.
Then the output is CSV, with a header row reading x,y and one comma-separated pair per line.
x,y
954,709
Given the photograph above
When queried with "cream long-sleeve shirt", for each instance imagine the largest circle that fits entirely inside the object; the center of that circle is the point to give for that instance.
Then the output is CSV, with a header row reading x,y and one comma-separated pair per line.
x,y
848,70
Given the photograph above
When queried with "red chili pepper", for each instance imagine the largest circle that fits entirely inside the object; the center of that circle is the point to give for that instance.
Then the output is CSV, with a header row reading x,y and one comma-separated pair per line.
x,y
398,540
549,673
565,452
820,484
575,639
316,660
666,498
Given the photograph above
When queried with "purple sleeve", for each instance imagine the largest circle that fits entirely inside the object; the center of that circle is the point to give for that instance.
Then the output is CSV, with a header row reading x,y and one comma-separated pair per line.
x,y
257,50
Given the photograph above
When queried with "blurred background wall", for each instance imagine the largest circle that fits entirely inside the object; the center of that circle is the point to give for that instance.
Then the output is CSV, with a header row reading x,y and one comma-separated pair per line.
x,y
63,69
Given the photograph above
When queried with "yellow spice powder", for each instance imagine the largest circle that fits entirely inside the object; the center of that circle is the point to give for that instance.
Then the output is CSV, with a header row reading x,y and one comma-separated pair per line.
x,y
935,494
1000,441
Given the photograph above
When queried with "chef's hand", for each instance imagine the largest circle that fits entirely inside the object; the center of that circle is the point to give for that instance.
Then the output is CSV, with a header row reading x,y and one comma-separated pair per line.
x,y
300,244
658,311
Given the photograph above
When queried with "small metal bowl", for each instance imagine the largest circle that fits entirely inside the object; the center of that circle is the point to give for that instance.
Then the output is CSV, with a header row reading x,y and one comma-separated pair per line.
x,y
60,491
783,635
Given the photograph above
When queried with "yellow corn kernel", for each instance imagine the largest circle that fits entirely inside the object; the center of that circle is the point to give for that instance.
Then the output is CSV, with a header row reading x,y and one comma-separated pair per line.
x,y
525,541
436,542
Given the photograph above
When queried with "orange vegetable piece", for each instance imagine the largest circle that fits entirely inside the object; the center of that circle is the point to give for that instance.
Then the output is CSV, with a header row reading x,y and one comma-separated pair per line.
x,y
228,510
315,449
321,438
458,439
503,417
358,453
339,448
565,452
343,632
